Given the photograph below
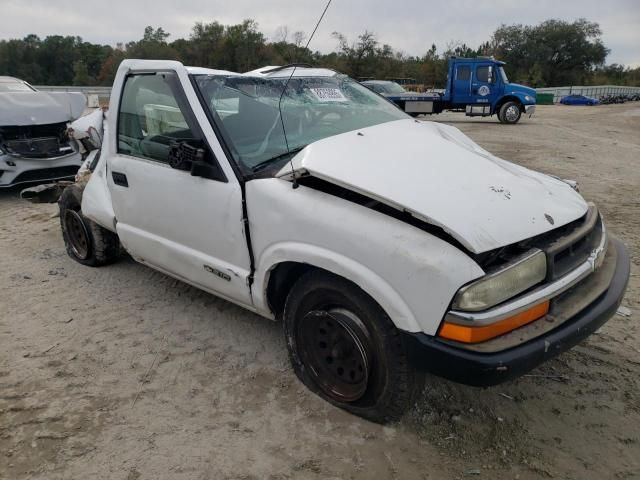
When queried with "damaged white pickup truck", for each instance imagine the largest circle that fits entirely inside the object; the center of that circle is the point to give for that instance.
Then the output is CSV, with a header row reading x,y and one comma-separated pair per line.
x,y
387,246
34,143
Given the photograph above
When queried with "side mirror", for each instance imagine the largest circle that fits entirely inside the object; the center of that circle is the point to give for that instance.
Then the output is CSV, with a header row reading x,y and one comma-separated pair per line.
x,y
182,155
204,169
188,157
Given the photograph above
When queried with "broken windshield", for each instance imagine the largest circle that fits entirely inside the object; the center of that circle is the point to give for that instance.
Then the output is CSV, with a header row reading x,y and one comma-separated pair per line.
x,y
245,108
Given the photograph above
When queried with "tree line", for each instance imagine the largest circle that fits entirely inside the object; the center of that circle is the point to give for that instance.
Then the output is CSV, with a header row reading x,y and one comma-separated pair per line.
x,y
552,53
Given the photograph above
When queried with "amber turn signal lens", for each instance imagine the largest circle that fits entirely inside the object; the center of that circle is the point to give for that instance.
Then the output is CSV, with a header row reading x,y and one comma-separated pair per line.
x,y
467,334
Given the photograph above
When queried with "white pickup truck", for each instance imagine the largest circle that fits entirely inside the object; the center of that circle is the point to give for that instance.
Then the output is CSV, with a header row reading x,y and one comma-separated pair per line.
x,y
387,246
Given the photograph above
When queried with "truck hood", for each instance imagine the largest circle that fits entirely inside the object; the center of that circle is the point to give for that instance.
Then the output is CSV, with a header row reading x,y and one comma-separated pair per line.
x,y
40,108
439,175
516,88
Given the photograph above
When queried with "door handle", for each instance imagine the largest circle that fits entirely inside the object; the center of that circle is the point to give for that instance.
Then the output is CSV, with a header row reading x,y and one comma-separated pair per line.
x,y
120,179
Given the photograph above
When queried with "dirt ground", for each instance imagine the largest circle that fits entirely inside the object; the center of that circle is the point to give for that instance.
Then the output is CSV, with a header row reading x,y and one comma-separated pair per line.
x,y
124,373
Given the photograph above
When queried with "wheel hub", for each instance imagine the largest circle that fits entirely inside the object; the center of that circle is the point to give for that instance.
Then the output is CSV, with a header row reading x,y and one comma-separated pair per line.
x,y
511,113
334,346
77,234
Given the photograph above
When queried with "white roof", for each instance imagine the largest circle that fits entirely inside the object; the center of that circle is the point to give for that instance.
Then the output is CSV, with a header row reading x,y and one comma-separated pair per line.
x,y
286,72
208,71
136,64
300,71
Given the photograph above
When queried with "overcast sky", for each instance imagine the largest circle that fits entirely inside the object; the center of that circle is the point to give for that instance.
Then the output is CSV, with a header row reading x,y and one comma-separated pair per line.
x,y
407,25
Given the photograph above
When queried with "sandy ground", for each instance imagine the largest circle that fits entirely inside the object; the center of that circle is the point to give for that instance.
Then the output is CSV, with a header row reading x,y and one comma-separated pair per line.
x,y
124,373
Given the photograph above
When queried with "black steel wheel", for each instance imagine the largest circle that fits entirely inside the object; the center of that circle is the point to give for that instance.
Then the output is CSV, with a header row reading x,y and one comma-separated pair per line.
x,y
79,239
335,347
345,348
86,241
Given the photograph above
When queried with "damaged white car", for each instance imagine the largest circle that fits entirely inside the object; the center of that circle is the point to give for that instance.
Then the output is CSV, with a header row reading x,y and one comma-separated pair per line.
x,y
34,143
387,246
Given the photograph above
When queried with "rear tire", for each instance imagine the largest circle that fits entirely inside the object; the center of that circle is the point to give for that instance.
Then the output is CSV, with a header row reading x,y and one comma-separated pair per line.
x,y
85,241
346,349
510,113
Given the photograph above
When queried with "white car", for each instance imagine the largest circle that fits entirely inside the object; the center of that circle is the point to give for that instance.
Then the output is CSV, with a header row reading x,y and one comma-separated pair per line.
x,y
386,245
34,143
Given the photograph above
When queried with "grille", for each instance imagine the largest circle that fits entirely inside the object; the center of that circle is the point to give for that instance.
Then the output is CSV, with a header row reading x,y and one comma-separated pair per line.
x,y
46,174
36,141
573,247
36,147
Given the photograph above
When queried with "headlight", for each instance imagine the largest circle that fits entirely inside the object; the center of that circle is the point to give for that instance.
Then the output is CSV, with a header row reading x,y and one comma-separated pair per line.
x,y
528,98
509,281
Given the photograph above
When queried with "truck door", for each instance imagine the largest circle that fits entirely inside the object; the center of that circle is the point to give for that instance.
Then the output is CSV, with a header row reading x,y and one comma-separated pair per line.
x,y
187,226
461,84
484,85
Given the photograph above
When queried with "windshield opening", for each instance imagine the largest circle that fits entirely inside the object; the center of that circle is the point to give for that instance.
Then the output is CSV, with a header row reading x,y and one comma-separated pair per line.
x,y
503,74
246,110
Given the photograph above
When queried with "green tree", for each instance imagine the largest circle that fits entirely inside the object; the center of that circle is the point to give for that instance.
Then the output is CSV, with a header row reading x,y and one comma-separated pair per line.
x,y
243,47
81,74
553,53
358,57
563,53
153,45
205,44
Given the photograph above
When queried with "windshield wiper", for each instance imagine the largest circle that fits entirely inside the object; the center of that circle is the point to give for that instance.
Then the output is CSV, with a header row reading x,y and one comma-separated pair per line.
x,y
269,161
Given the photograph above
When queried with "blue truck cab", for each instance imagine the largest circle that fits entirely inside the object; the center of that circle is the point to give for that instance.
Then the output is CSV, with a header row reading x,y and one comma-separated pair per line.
x,y
477,86
481,87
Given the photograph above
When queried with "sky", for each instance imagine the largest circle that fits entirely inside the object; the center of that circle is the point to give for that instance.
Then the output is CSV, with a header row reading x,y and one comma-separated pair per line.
x,y
407,25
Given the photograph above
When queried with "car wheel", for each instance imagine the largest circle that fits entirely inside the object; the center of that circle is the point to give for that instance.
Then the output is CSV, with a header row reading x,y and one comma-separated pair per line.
x,y
85,241
345,348
510,113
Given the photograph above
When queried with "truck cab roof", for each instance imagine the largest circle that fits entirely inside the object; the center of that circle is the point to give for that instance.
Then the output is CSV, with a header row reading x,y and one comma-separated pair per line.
x,y
476,59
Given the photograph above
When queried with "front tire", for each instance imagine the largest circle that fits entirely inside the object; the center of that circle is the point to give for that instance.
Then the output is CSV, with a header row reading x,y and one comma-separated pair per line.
x,y
346,349
510,113
85,241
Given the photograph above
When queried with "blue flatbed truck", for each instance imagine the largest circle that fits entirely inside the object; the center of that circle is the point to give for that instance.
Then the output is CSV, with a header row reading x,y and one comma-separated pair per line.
x,y
477,86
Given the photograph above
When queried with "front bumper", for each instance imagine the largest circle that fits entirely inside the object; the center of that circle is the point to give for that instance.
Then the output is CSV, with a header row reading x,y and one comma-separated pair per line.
x,y
529,110
16,170
483,369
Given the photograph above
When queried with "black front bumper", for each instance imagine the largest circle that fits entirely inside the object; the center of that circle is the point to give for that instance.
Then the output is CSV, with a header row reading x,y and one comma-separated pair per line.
x,y
484,369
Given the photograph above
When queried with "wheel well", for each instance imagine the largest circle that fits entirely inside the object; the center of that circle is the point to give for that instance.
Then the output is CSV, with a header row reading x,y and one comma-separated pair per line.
x,y
281,279
509,98
283,276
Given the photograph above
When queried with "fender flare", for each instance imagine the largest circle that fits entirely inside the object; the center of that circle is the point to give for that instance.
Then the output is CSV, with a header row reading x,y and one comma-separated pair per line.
x,y
512,97
370,282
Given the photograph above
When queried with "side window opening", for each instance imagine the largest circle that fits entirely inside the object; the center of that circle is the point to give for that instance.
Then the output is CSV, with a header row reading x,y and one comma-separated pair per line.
x,y
483,74
150,116
463,72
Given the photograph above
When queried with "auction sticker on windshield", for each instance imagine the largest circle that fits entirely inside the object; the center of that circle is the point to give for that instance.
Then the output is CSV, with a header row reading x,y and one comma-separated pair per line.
x,y
329,94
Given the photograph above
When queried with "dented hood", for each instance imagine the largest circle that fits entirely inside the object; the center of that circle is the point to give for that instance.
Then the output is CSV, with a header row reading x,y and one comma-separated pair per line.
x,y
40,108
440,176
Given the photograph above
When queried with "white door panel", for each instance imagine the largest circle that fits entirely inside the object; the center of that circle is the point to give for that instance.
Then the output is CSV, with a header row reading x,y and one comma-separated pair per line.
x,y
189,226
